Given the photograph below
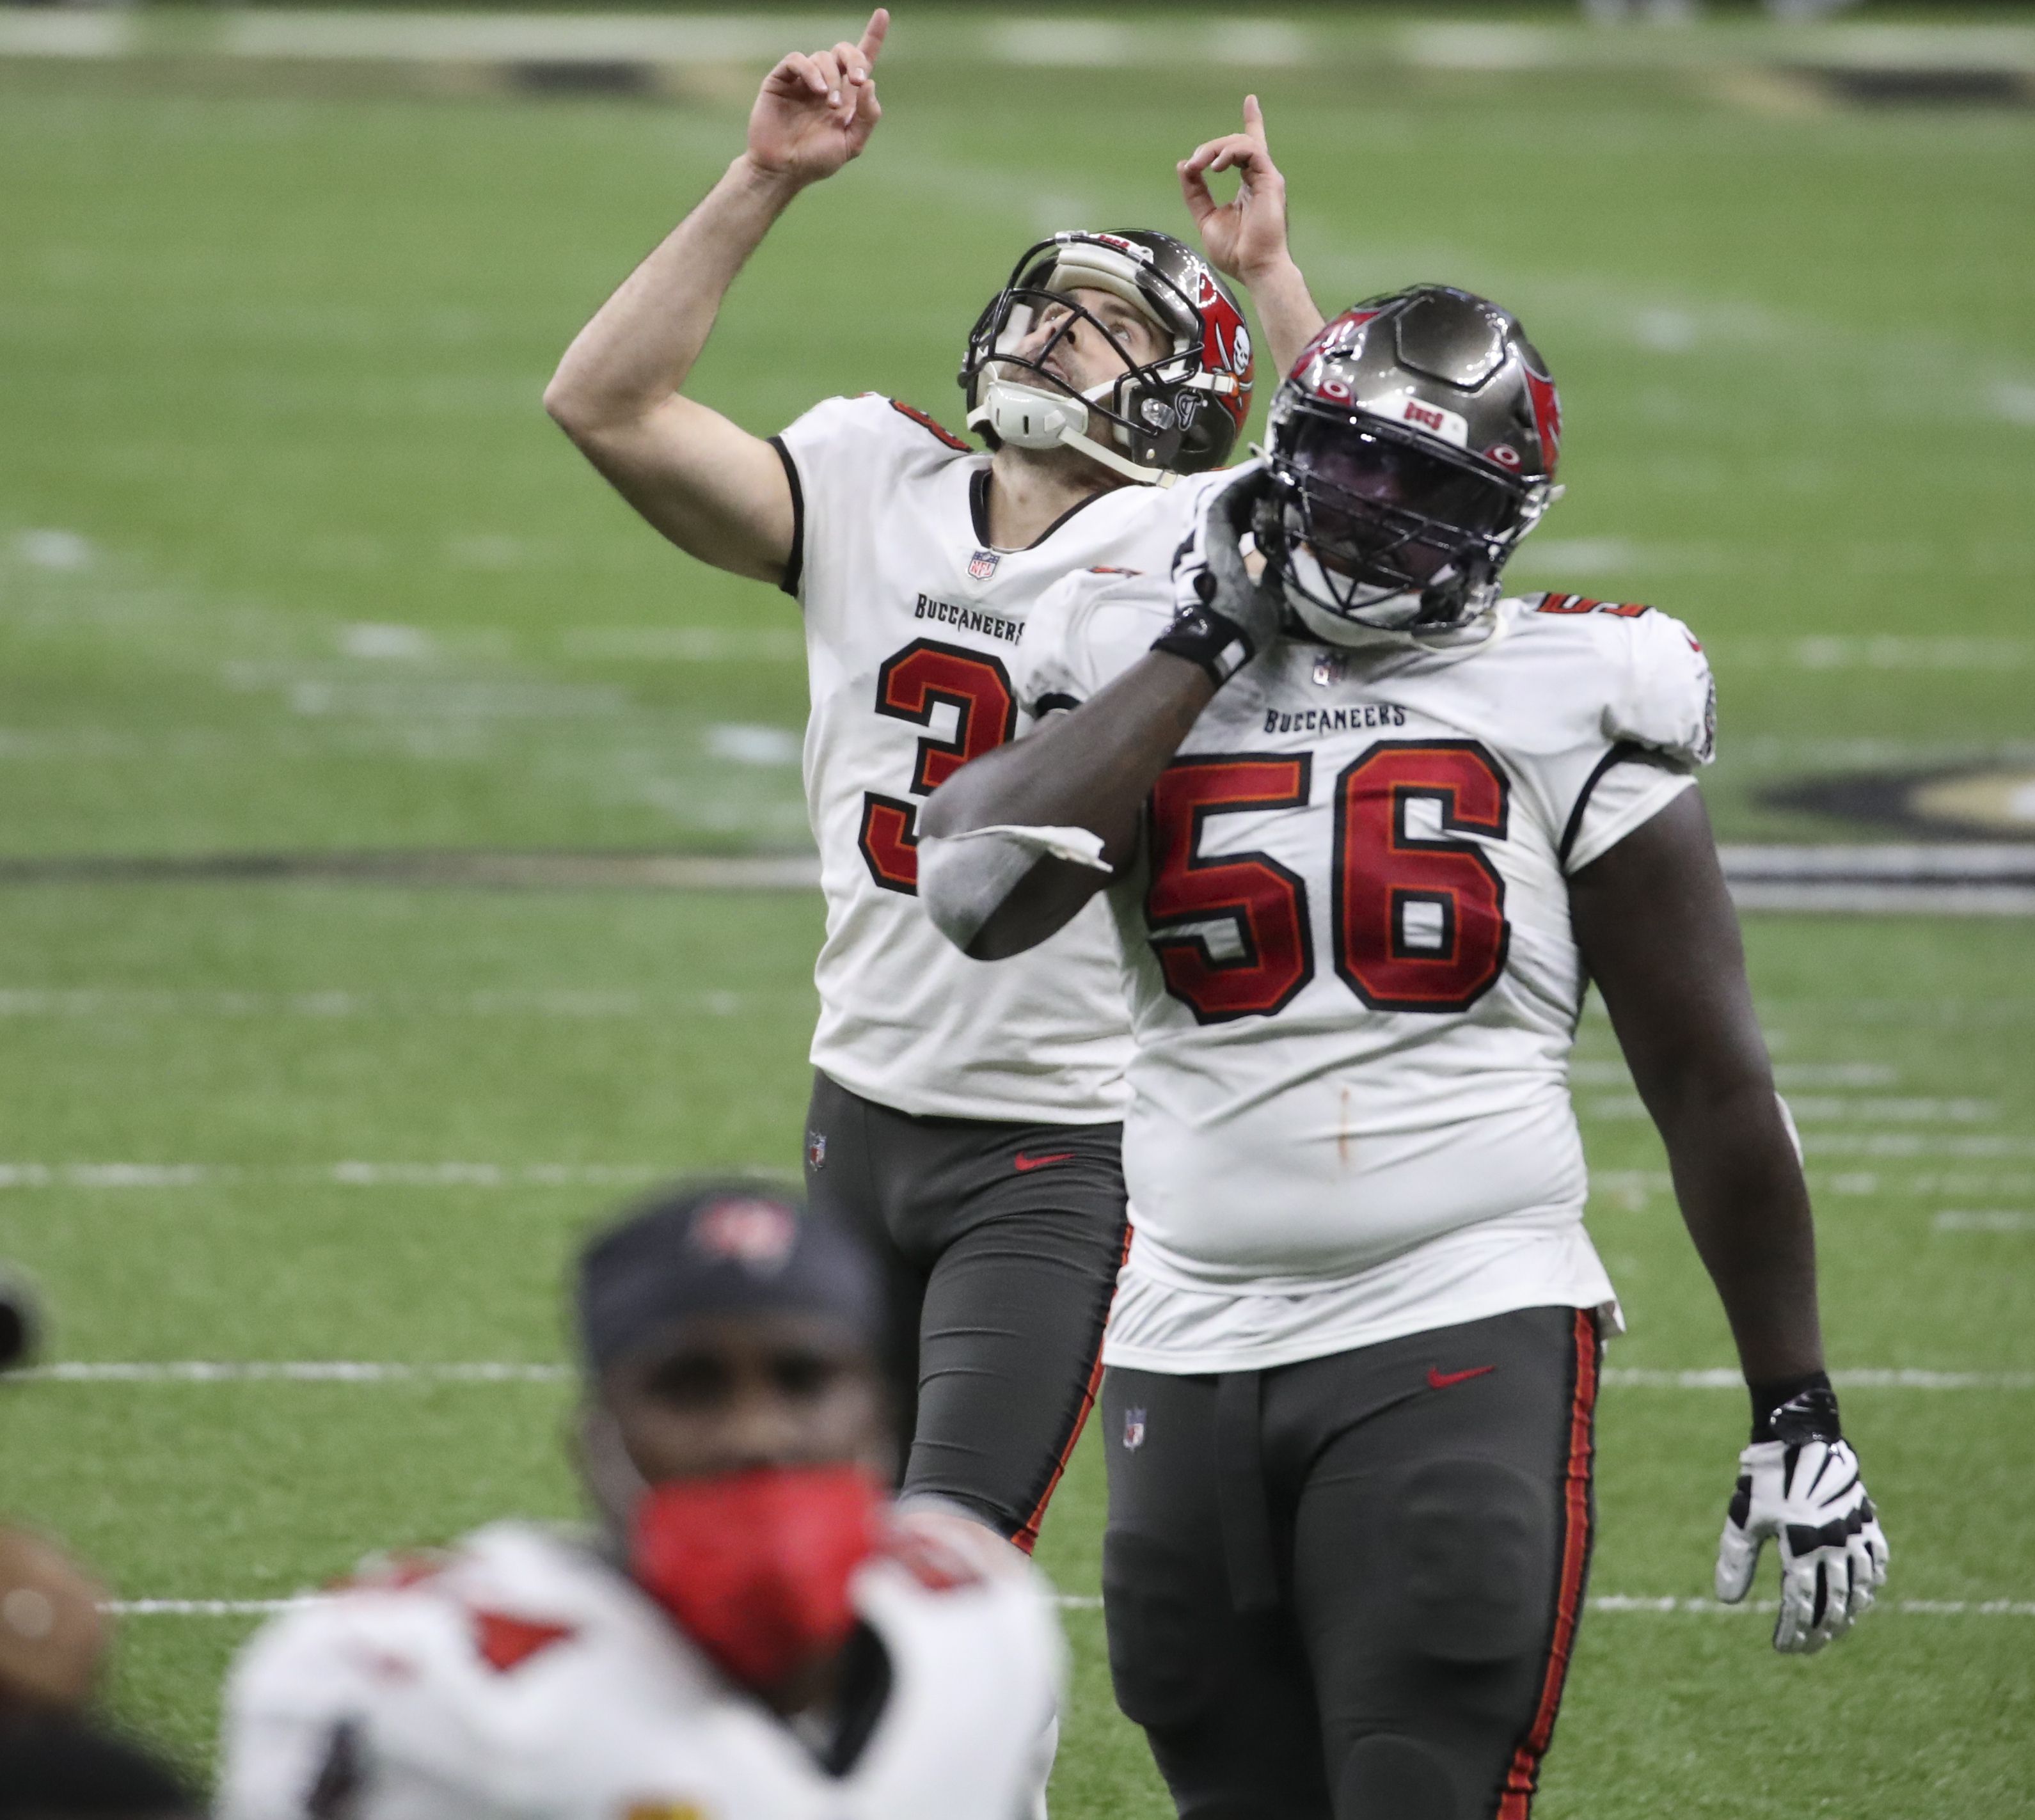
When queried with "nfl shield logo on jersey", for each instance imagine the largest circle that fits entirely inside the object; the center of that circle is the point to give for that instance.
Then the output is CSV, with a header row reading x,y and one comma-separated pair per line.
x,y
982,565
1134,1430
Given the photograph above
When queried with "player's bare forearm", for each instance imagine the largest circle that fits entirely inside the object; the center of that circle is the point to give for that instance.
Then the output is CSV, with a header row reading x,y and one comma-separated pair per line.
x,y
1091,769
1286,312
640,345
1658,934
716,490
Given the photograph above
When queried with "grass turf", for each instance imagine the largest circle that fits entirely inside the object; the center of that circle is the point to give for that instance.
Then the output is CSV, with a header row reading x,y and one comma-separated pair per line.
x,y
289,559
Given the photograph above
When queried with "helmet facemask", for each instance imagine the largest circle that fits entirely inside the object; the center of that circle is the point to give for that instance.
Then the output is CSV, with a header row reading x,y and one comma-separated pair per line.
x,y
1374,526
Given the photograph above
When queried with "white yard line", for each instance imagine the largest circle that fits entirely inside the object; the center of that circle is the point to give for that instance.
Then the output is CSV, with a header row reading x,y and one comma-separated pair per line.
x,y
1729,1377
359,1174
372,1371
1999,1220
290,1371
1088,1602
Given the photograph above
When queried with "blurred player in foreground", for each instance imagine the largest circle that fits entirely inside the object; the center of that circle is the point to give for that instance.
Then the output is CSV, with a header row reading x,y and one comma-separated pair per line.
x,y
55,1762
1369,829
19,1322
966,1122
754,1634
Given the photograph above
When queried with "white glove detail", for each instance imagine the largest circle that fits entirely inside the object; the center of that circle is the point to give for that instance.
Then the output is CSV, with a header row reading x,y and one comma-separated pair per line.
x,y
1808,1496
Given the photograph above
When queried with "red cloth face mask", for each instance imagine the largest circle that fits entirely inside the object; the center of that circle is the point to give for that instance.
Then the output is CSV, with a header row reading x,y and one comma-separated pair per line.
x,y
755,1566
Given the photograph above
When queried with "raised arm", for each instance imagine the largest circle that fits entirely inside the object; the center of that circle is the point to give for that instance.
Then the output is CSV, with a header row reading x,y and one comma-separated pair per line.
x,y
1245,238
717,492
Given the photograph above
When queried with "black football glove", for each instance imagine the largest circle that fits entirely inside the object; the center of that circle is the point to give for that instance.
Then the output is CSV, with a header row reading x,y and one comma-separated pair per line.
x,y
1222,616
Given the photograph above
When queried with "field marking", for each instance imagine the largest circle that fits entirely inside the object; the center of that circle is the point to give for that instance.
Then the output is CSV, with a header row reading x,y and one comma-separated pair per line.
x,y
372,1371
316,35
1915,1144
1826,1108
346,1175
1904,1378
1957,1219
290,1371
1631,1190
1625,1602
683,644
330,1002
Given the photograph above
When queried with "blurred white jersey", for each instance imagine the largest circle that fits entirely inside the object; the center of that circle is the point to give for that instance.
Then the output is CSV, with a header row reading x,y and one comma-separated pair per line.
x,y
529,1680
1351,972
912,624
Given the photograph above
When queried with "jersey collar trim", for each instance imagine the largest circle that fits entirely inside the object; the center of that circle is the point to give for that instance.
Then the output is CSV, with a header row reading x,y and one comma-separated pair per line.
x,y
978,510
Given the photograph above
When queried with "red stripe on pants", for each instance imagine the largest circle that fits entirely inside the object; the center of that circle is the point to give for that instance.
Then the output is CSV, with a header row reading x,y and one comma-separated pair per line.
x,y
1028,1537
1524,1771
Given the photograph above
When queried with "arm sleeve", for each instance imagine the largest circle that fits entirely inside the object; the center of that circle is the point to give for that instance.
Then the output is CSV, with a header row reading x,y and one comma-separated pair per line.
x,y
1659,726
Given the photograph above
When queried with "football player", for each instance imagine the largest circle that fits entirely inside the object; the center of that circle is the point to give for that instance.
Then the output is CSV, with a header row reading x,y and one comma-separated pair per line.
x,y
754,1634
1369,828
966,1122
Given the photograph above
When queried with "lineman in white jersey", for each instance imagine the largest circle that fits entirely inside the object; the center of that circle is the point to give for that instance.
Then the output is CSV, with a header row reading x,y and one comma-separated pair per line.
x,y
754,1634
1368,831
965,1120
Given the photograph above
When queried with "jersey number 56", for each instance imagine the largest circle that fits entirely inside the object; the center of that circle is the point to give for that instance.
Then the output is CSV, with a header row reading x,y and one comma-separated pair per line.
x,y
1417,923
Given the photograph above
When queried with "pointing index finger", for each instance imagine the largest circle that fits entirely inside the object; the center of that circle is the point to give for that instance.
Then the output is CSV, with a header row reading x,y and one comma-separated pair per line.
x,y
1253,119
873,34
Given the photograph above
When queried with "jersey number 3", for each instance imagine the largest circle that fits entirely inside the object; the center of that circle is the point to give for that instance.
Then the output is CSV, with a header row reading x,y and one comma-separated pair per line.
x,y
1417,922
924,676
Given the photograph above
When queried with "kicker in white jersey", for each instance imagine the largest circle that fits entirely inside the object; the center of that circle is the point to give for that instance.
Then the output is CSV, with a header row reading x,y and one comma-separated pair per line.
x,y
529,1680
913,632
1350,969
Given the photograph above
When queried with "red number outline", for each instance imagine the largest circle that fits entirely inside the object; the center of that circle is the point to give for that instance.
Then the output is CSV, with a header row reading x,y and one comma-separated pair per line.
x,y
1188,792
1463,919
914,682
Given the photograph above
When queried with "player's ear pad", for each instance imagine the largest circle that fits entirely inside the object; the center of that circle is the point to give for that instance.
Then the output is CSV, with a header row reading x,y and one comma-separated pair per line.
x,y
1475,1542
1164,1629
1388,1778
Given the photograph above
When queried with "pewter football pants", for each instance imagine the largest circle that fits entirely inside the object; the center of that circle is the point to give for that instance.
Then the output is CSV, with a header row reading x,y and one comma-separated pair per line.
x,y
1000,1244
1348,1588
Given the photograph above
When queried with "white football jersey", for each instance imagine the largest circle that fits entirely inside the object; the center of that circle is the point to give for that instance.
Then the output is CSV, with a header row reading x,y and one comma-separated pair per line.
x,y
529,1680
912,623
1351,972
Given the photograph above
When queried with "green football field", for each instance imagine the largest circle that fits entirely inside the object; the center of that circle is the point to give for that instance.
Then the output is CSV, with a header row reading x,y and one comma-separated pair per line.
x,y
290,563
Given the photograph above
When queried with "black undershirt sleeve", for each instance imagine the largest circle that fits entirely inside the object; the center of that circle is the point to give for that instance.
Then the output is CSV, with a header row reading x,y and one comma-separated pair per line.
x,y
795,564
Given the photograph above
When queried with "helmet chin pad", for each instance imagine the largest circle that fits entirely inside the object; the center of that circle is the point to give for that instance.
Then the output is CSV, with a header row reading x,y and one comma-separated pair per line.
x,y
1029,416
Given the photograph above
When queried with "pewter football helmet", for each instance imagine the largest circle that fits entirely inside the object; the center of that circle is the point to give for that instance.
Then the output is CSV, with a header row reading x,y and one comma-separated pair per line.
x,y
1413,447
1179,414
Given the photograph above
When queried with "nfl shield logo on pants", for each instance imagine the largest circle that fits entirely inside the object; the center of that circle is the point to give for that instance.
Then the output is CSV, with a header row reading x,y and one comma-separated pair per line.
x,y
982,565
1134,1430
815,1149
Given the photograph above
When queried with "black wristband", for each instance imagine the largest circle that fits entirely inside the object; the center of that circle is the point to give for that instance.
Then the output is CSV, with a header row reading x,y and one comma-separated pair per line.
x,y
1205,637
1795,1409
